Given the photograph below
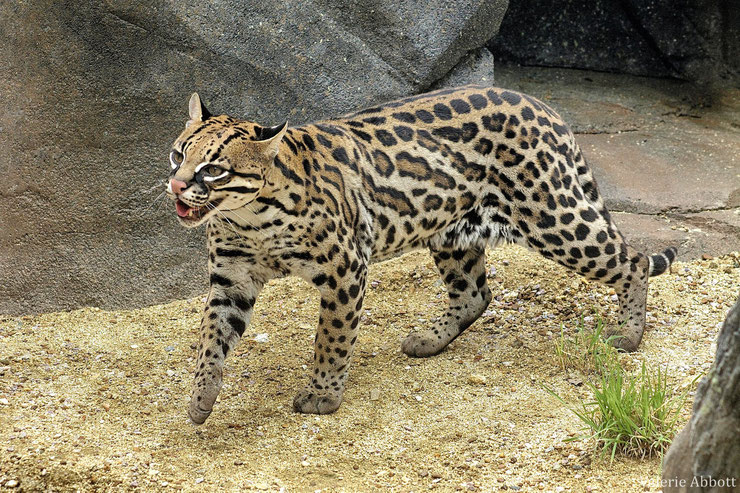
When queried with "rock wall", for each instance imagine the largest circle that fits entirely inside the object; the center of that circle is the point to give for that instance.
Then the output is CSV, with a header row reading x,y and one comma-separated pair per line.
x,y
696,40
95,92
705,456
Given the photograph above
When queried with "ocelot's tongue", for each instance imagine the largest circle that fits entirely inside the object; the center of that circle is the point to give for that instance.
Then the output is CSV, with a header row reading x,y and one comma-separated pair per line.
x,y
181,208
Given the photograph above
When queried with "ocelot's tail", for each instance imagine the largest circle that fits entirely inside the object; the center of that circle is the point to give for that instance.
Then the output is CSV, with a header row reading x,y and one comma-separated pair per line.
x,y
661,262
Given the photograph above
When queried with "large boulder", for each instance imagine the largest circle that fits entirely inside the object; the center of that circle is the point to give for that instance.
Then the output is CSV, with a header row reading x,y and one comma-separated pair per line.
x,y
705,456
474,68
95,92
696,40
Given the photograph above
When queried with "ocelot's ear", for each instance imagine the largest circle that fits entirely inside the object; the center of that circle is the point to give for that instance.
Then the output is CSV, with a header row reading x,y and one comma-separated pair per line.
x,y
197,110
269,138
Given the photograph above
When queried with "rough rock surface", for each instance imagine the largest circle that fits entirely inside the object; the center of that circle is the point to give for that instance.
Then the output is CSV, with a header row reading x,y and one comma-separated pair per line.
x,y
95,92
697,40
705,456
475,68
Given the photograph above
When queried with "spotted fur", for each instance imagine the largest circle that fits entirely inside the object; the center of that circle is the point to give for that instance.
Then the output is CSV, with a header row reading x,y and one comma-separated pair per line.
x,y
453,171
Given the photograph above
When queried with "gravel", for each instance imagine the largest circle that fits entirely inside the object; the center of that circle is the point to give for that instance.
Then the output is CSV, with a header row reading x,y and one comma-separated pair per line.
x,y
97,399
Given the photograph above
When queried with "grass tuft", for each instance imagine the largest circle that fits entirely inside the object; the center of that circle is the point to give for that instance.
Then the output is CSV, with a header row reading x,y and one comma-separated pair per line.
x,y
631,414
587,350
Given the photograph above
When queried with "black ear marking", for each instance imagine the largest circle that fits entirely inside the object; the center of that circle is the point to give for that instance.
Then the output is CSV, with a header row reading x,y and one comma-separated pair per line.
x,y
266,133
205,114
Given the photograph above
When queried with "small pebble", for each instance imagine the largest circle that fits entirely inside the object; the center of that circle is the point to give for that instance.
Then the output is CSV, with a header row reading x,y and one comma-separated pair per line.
x,y
374,395
476,379
4,401
11,483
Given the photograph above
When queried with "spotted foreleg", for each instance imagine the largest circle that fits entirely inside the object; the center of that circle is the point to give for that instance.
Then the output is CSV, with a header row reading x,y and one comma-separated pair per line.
x,y
227,314
341,306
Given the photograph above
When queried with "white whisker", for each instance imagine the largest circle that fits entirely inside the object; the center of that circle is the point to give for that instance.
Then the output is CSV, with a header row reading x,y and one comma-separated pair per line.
x,y
248,223
155,204
218,212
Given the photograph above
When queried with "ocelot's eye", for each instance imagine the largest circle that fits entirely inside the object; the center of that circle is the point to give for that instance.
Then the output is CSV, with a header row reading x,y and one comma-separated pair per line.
x,y
176,158
212,170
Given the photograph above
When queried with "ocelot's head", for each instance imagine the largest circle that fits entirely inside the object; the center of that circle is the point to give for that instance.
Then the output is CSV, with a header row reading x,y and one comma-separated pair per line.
x,y
219,163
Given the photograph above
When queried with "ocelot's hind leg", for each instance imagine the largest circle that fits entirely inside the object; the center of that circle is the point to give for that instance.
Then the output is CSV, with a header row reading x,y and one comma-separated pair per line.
x,y
464,274
632,293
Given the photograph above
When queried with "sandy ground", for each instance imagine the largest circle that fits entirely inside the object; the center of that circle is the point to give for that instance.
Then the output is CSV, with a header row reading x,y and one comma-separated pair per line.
x,y
96,400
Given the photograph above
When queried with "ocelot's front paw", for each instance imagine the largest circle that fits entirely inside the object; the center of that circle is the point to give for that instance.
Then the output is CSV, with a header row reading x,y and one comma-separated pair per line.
x,y
205,391
421,345
312,401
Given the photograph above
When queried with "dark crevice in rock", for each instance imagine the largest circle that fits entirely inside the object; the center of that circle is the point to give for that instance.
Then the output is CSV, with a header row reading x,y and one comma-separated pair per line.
x,y
131,23
606,132
670,211
628,9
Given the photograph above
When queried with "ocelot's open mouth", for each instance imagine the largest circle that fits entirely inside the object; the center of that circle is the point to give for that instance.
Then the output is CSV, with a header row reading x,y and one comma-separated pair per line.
x,y
188,213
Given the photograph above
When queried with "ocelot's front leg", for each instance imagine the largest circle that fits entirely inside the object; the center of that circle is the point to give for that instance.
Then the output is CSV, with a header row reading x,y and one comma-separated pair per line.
x,y
227,314
341,307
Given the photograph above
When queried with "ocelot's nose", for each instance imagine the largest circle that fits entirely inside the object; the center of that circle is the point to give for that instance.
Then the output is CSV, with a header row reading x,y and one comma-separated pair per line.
x,y
177,186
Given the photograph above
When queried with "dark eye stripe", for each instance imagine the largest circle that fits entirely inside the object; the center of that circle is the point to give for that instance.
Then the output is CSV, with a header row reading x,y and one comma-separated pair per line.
x,y
240,189
253,176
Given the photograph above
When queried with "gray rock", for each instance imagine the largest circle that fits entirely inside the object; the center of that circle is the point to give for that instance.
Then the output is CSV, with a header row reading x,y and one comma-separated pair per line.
x,y
692,36
423,40
475,68
575,33
95,92
697,40
705,456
